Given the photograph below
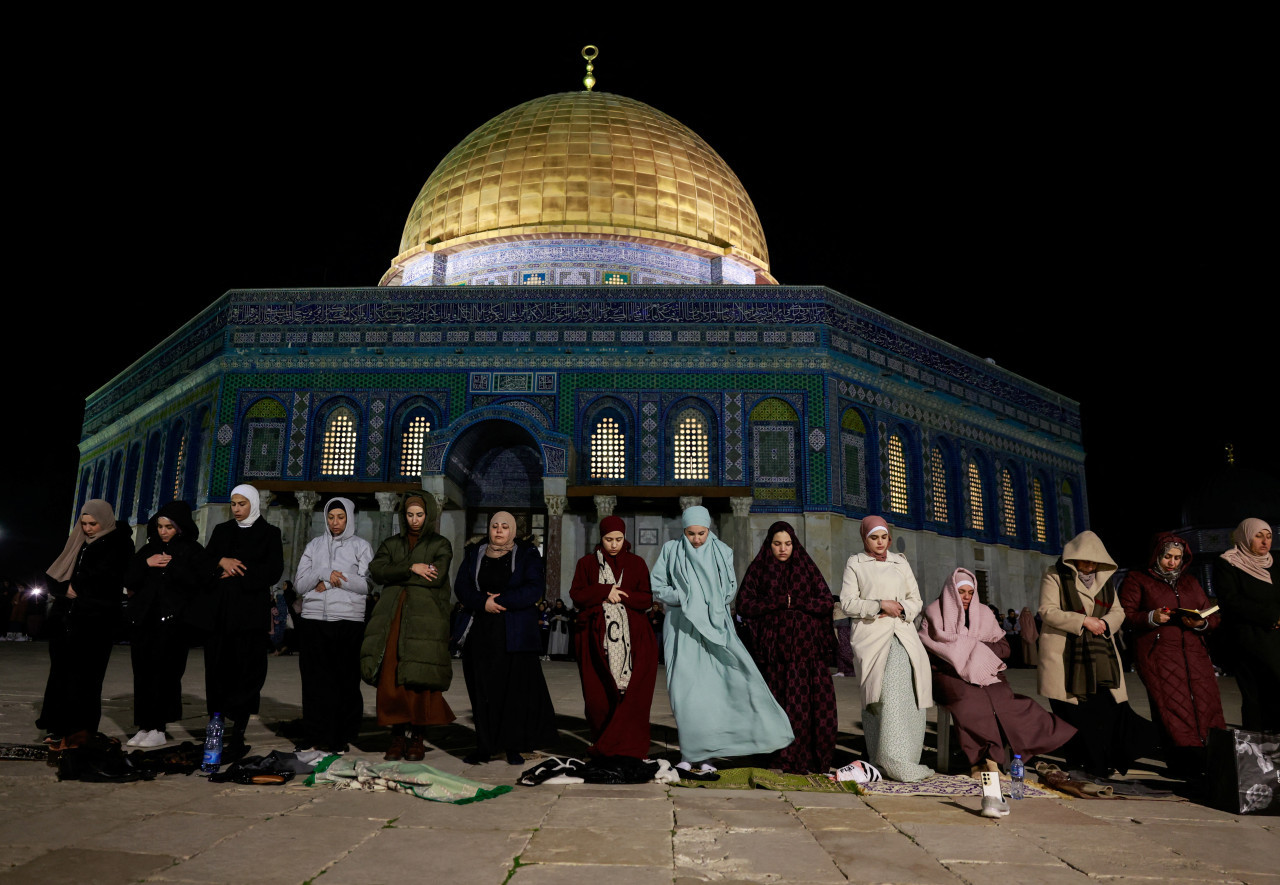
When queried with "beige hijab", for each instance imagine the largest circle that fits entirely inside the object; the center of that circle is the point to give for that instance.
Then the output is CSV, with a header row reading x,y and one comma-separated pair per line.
x,y
1242,557
493,550
65,564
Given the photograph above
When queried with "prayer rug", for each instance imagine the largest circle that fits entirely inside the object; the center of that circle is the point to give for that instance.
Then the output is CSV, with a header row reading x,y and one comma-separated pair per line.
x,y
948,785
415,778
25,752
764,779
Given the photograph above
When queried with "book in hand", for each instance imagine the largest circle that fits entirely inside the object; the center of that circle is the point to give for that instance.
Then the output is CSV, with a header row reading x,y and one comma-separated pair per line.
x,y
1195,614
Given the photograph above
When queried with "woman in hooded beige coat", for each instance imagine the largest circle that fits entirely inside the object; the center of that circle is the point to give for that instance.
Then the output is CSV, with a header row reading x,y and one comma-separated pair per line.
x,y
1080,670
880,594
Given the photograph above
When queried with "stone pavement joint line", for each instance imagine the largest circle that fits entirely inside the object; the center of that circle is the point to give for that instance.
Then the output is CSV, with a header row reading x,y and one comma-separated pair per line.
x,y
186,830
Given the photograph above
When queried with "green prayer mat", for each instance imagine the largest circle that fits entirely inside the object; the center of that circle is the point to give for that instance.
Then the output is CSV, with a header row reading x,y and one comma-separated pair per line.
x,y
416,778
764,779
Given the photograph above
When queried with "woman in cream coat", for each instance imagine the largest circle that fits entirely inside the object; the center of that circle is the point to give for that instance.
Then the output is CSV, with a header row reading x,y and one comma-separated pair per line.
x,y
1080,669
880,594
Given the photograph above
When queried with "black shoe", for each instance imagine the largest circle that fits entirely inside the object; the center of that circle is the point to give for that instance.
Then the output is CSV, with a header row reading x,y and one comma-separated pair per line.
x,y
514,758
476,758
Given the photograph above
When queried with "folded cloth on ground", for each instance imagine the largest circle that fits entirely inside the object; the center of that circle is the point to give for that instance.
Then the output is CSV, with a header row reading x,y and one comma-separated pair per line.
x,y
416,778
97,759
276,767
596,770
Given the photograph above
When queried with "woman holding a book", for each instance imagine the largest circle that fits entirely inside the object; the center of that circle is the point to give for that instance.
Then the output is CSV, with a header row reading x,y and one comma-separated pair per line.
x,y
1170,613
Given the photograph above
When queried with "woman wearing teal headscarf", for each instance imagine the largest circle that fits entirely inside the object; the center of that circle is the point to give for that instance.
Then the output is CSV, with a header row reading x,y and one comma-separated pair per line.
x,y
721,702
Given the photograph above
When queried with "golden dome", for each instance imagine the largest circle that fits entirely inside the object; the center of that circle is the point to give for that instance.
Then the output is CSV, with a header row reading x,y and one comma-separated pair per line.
x,y
589,164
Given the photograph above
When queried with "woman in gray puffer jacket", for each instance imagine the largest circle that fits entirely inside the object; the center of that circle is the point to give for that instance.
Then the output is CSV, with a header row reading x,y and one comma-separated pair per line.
x,y
333,580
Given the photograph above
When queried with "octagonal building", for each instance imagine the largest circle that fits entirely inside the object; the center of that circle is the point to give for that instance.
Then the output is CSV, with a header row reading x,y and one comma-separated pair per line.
x,y
581,320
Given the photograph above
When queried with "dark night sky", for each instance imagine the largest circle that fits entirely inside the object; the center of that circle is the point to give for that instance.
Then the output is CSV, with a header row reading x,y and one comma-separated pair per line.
x,y
1083,211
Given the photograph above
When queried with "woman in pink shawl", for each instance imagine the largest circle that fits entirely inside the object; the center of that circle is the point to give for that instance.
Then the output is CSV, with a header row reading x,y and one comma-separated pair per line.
x,y
967,647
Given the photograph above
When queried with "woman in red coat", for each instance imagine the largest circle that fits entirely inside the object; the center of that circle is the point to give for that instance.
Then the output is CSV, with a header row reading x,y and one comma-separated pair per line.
x,y
1171,655
617,652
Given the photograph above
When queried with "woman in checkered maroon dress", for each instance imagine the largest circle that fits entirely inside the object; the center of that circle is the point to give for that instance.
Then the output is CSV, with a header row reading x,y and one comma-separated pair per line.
x,y
788,608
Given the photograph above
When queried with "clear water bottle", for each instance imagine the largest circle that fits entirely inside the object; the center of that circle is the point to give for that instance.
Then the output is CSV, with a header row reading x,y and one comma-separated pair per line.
x,y
212,745
1018,772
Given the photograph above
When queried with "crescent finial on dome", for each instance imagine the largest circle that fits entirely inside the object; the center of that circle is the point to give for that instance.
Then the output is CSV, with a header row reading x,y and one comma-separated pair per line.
x,y
589,53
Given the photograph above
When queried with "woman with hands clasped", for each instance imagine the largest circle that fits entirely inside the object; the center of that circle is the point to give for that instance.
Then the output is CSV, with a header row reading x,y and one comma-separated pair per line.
x,y
405,652
333,576
617,651
501,581
880,594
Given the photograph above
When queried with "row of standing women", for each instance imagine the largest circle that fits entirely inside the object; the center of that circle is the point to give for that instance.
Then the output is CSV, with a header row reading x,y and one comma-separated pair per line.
x,y
772,694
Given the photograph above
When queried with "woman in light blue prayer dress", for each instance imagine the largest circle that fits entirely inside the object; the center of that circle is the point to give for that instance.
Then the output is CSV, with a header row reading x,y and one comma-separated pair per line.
x,y
723,706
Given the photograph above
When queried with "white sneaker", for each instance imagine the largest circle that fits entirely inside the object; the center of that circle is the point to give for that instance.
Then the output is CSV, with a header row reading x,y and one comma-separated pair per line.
x,y
861,773
993,803
153,739
137,739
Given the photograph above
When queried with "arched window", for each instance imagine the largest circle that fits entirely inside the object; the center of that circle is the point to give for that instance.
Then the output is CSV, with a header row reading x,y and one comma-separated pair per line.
x,y
99,477
1008,505
1037,511
113,482
898,494
150,468
690,447
608,449
179,463
82,494
174,461
263,434
129,492
1066,513
774,432
977,513
338,451
413,440
853,450
938,485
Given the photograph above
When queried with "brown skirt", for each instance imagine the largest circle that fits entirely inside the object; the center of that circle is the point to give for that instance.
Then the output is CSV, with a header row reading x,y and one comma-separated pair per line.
x,y
399,704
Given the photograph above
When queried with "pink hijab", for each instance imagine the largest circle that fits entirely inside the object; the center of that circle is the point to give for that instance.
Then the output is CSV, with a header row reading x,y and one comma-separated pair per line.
x,y
1245,559
1027,626
945,635
869,525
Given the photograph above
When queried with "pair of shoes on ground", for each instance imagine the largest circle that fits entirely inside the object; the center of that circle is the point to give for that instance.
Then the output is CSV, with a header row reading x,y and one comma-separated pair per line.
x,y
147,738
406,745
993,801
861,773
705,772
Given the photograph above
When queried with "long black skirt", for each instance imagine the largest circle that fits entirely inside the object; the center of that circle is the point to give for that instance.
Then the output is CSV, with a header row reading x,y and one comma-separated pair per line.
x,y
509,699
1109,735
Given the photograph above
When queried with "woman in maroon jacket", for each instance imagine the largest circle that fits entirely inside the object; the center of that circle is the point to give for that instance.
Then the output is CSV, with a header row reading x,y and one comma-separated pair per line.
x,y
1171,655
617,652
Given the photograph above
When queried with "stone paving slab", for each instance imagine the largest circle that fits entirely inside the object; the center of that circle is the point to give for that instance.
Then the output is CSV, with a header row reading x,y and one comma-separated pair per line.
x,y
287,849
588,874
513,811
416,856
950,843
1241,849
953,810
179,834
84,865
861,819
639,814
883,857
993,873
600,845
773,855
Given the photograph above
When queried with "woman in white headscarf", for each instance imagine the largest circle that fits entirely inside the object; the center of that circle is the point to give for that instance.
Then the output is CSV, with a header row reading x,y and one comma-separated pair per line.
x,y
1080,670
881,595
1248,586
722,705
333,581
249,558
88,585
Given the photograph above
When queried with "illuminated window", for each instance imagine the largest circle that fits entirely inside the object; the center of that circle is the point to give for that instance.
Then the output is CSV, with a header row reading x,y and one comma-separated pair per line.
x,y
1066,513
614,278
1037,508
608,450
412,443
897,475
177,468
938,481
690,447
1008,507
338,457
977,517
533,279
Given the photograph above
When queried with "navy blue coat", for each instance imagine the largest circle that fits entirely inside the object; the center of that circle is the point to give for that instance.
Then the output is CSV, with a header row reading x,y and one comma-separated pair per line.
x,y
526,587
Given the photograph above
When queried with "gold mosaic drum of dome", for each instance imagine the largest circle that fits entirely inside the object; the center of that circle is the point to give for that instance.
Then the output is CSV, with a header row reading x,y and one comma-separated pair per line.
x,y
580,160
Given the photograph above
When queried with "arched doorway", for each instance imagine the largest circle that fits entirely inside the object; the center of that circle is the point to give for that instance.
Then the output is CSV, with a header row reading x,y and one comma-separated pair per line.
x,y
497,465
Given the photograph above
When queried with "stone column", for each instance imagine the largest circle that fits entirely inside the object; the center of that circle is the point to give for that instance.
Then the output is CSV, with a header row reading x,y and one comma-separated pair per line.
x,y
687,501
743,549
555,514
604,507
307,502
384,521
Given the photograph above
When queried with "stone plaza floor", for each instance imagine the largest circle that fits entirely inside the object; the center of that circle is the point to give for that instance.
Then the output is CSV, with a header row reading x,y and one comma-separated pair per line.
x,y
185,829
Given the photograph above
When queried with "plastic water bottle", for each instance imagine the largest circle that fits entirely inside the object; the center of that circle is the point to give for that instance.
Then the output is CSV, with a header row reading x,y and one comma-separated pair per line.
x,y
212,745
1018,772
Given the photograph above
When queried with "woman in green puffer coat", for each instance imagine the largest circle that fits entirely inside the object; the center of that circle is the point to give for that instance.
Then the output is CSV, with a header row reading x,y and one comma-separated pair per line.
x,y
406,645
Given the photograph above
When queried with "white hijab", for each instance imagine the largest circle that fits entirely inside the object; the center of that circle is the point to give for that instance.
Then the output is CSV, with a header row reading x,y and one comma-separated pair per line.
x,y
255,509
